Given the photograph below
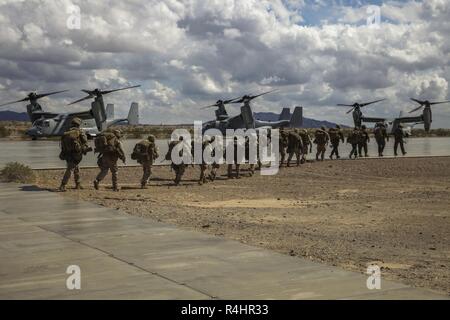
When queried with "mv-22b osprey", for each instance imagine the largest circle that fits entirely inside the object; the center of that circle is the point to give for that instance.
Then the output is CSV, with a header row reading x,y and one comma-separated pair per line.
x,y
95,120
246,119
392,124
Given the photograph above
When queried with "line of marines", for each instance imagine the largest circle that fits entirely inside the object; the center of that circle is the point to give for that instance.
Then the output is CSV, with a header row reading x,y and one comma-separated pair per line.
x,y
296,142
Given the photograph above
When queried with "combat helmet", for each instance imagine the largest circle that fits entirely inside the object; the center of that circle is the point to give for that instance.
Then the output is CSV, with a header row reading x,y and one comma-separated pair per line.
x,y
117,133
151,138
76,122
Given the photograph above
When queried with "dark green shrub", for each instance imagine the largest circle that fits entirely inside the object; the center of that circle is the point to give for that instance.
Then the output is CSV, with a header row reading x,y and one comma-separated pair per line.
x,y
17,172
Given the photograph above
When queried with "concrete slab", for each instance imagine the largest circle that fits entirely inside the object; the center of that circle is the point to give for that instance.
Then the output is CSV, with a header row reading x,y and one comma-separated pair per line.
x,y
124,257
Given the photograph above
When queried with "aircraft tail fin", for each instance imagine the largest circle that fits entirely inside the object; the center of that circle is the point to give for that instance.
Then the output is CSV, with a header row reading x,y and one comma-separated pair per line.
x,y
297,118
133,114
110,111
285,114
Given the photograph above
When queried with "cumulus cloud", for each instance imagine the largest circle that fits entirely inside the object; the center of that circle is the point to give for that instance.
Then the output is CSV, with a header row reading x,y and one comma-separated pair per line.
x,y
189,53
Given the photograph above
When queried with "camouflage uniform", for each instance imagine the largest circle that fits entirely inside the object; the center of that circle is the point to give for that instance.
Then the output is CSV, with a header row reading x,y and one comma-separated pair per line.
x,y
398,139
252,161
107,161
306,143
336,136
73,158
214,166
147,159
204,164
353,139
321,139
237,161
381,136
364,140
180,168
295,147
283,145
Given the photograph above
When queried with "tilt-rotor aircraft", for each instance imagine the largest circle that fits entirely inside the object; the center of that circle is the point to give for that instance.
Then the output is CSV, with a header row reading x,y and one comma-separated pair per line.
x,y
392,124
50,124
246,119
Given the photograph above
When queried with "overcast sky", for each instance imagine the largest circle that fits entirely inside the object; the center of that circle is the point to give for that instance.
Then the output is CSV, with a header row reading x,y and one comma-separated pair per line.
x,y
189,53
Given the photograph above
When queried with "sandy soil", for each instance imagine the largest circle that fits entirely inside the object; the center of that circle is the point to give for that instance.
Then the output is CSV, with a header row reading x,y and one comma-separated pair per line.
x,y
394,212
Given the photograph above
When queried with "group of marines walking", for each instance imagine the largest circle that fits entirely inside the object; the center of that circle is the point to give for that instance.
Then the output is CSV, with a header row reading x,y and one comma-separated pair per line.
x,y
293,142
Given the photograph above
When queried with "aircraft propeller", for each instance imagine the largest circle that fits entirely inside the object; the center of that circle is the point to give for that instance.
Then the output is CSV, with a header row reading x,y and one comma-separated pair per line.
x,y
33,97
219,102
426,104
98,93
249,98
358,105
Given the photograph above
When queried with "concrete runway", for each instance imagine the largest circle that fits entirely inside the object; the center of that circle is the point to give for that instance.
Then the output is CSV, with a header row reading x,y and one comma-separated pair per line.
x,y
125,257
44,153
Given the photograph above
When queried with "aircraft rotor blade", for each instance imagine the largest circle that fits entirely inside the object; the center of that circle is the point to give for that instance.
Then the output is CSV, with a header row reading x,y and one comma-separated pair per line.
x,y
434,103
418,101
49,94
109,91
35,97
259,95
369,103
11,102
82,99
350,110
210,106
418,108
344,105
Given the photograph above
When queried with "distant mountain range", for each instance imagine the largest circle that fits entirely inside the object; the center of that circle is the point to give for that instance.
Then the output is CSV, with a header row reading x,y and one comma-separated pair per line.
x,y
307,122
264,116
13,116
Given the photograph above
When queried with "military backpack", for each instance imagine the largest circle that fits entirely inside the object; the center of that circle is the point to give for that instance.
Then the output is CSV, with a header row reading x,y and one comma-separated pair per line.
x,y
105,143
71,142
321,137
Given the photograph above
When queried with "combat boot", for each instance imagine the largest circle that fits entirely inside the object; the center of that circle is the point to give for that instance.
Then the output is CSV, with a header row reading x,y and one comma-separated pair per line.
x,y
96,184
78,186
116,188
62,188
143,186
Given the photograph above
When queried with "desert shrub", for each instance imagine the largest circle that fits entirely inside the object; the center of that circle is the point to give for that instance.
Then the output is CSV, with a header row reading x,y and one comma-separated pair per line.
x,y
4,132
17,172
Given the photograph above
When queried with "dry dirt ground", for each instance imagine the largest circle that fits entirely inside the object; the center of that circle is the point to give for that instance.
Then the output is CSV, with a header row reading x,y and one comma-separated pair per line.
x,y
394,212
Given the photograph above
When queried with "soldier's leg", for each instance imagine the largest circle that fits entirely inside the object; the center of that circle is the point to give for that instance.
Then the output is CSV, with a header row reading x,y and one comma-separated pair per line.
x,y
181,170
252,169
213,173
283,158
322,156
146,172
114,175
337,151
402,146
298,157
366,150
238,168
202,178
76,176
230,171
69,168
333,151
395,147
291,154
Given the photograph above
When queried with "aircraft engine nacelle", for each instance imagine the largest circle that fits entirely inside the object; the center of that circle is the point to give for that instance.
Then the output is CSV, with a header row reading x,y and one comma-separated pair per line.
x,y
357,115
427,119
247,117
99,114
